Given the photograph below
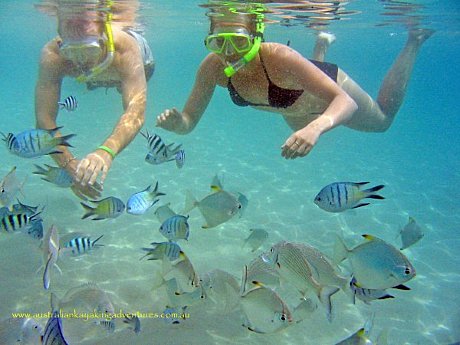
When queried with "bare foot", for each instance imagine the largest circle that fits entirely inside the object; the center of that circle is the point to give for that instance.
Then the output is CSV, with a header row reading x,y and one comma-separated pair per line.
x,y
326,38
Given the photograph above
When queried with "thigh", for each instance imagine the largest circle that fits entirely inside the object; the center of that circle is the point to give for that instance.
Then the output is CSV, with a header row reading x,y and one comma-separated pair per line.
x,y
369,117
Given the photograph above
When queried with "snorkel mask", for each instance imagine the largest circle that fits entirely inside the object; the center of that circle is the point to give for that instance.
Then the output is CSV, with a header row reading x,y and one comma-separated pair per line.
x,y
240,42
90,49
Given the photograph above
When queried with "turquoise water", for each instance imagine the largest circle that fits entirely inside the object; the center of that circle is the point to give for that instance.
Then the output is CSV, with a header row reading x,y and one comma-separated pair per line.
x,y
416,159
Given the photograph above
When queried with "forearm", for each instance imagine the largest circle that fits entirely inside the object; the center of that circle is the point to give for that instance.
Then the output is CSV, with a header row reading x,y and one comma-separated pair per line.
x,y
339,111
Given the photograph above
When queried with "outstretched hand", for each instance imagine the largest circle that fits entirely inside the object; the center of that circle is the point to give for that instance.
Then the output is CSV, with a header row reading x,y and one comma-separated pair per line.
x,y
86,191
171,120
300,143
89,168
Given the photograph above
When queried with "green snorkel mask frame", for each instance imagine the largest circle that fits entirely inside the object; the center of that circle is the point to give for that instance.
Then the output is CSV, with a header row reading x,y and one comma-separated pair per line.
x,y
110,46
232,68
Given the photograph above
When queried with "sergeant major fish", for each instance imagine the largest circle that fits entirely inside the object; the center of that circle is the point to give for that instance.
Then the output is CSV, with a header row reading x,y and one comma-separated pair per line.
x,y
70,103
54,334
175,228
162,250
110,207
36,142
140,202
376,264
80,244
55,175
160,152
341,196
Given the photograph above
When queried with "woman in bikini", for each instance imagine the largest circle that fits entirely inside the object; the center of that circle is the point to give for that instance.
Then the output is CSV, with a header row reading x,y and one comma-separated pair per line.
x,y
312,96
94,49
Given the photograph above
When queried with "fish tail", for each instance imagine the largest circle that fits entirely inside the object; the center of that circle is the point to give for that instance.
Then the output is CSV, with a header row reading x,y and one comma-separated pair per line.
x,y
244,280
54,301
155,191
40,170
190,202
369,193
340,250
63,140
89,210
97,239
324,296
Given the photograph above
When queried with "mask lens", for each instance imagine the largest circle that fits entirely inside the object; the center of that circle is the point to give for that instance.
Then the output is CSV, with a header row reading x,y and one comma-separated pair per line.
x,y
241,43
215,43
81,52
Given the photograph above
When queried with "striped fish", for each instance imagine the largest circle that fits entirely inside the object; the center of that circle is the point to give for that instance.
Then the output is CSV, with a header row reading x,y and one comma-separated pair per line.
x,y
17,221
69,104
55,175
180,158
140,202
109,207
108,325
81,245
341,196
36,142
175,228
170,250
54,334
160,152
368,295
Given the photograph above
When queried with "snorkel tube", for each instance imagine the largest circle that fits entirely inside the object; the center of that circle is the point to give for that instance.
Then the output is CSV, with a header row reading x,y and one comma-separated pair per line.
x,y
232,68
110,46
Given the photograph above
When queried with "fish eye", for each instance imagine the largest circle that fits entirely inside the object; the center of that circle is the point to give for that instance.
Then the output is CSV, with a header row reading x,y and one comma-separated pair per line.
x,y
407,270
283,317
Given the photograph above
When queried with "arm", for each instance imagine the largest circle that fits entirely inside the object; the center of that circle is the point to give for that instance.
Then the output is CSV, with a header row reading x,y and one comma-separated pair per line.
x,y
129,65
205,83
340,109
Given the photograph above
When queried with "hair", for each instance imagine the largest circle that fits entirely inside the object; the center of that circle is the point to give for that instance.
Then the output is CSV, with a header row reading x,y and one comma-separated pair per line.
x,y
238,16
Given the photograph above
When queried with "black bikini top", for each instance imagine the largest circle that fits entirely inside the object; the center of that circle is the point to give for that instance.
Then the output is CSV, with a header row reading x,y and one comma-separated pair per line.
x,y
277,96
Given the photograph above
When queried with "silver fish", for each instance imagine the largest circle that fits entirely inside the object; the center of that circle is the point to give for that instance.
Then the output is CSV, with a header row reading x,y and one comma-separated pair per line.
x,y
54,334
410,234
140,202
175,315
10,186
110,207
36,142
55,175
222,289
50,254
20,331
293,265
183,271
358,338
376,264
216,208
164,212
175,228
264,310
256,239
341,196
260,271
69,104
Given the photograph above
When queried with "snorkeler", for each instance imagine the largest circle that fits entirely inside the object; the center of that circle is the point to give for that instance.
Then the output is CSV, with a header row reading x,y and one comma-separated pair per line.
x,y
95,50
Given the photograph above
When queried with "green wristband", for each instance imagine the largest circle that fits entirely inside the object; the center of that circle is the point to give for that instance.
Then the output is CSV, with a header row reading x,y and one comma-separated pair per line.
x,y
108,150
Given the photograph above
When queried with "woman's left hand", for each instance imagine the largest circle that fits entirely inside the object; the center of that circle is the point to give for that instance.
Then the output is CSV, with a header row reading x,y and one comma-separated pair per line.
x,y
89,168
300,143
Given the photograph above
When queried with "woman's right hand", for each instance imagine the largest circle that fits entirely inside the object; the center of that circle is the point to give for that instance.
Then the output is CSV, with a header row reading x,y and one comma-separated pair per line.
x,y
85,191
171,120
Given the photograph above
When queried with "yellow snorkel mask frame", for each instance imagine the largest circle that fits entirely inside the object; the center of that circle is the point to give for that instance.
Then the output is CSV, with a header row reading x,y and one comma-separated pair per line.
x,y
110,46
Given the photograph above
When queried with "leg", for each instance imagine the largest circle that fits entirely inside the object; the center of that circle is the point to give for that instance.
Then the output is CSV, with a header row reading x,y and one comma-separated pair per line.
x,y
377,116
394,85
323,41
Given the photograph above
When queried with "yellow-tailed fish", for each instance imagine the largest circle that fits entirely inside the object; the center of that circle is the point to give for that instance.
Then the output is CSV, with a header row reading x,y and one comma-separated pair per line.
x,y
376,264
256,238
260,271
162,250
179,298
293,266
216,208
341,196
410,234
110,207
361,336
10,186
183,271
264,310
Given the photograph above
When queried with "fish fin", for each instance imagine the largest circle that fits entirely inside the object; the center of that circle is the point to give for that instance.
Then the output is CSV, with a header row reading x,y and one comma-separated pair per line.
x,y
54,152
97,239
340,250
357,184
375,196
401,287
63,140
244,280
361,205
89,210
46,274
324,295
373,189
386,296
190,202
41,170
